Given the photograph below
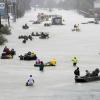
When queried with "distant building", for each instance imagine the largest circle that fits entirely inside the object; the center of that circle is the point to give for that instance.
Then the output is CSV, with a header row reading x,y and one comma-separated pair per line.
x,y
97,4
93,12
57,20
97,9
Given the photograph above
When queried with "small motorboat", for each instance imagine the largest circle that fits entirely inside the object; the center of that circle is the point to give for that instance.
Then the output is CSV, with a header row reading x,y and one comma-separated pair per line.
x,y
87,79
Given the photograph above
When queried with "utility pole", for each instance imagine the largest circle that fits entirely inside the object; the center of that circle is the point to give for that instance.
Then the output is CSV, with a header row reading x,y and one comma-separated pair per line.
x,y
0,20
14,10
7,15
2,11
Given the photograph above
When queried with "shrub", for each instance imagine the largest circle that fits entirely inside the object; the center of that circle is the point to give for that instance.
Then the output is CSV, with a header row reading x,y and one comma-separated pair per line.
x,y
2,40
5,30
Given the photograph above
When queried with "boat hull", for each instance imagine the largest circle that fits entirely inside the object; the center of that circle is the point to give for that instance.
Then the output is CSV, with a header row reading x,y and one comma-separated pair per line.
x,y
87,79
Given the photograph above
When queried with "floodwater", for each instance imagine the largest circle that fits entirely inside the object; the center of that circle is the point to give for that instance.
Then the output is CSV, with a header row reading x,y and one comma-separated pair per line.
x,y
55,83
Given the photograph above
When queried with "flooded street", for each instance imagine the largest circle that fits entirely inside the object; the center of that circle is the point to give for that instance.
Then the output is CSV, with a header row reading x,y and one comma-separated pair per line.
x,y
54,83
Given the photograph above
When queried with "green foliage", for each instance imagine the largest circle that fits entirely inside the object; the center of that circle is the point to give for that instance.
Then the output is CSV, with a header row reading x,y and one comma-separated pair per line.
x,y
5,30
20,13
2,40
21,7
85,4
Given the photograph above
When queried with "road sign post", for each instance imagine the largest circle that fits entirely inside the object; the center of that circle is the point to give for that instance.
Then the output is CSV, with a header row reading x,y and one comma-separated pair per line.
x,y
2,11
0,21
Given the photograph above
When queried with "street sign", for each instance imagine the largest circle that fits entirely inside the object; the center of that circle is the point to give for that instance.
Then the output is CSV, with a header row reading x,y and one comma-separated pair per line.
x,y
2,5
2,9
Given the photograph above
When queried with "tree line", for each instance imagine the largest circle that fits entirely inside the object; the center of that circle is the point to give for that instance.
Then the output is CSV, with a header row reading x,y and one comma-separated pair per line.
x,y
22,6
66,4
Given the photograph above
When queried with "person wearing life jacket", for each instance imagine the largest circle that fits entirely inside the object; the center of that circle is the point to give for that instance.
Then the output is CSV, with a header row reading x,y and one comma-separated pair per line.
x,y
32,54
53,62
30,81
74,61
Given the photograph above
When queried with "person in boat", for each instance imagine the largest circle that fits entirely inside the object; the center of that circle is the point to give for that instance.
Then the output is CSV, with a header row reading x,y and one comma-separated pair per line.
x,y
53,62
78,28
95,72
74,61
32,34
37,34
88,74
6,50
12,52
26,26
38,61
30,37
77,72
75,26
30,81
32,54
29,53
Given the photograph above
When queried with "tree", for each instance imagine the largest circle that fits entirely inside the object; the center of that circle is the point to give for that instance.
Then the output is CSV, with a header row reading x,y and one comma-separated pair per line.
x,y
22,6
77,4
4,30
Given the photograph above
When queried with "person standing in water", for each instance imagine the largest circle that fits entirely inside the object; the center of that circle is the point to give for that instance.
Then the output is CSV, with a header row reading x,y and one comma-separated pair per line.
x,y
74,61
41,66
30,81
